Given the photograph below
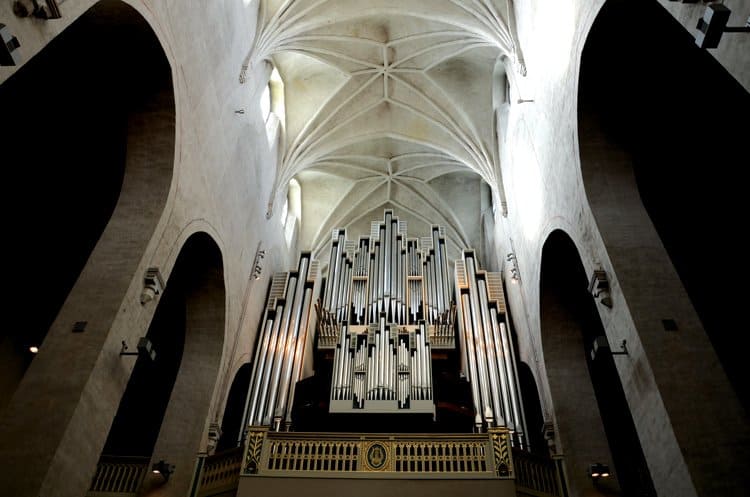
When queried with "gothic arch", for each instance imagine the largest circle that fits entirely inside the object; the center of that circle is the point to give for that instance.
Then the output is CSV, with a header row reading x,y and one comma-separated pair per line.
x,y
532,409
591,416
82,251
231,423
658,195
198,276
97,186
655,191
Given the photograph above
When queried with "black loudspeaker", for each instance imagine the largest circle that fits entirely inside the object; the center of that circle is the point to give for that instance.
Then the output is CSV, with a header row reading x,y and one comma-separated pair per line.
x,y
711,26
9,54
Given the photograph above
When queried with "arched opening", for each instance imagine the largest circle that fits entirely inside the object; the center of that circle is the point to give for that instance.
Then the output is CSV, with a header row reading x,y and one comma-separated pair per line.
x,y
272,107
291,213
199,277
90,147
139,416
532,410
658,125
164,410
88,135
593,422
231,423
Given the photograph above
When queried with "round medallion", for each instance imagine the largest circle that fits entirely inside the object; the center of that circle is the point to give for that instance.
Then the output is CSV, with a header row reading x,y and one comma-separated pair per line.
x,y
377,456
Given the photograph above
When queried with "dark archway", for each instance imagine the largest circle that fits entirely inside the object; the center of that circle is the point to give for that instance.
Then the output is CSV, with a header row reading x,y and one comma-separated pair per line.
x,y
88,125
167,399
532,410
141,411
199,277
660,119
593,420
231,423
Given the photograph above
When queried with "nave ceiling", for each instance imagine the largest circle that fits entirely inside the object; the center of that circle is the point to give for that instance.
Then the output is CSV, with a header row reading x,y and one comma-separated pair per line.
x,y
389,104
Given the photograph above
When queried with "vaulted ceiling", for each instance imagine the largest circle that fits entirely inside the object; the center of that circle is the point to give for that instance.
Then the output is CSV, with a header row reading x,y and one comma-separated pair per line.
x,y
389,104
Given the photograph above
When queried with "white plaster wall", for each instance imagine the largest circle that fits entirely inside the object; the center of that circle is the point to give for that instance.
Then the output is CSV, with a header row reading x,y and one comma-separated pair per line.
x,y
541,170
223,165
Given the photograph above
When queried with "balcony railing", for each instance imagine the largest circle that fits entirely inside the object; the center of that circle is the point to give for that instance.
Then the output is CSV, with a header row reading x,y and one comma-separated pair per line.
x,y
118,475
220,473
333,455
538,476
340,455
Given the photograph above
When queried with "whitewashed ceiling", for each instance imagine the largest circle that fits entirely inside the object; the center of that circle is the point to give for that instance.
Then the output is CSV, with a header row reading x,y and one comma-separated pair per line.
x,y
389,104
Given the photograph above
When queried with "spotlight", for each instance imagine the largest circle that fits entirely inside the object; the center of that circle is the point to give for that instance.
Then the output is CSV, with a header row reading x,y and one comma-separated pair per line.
x,y
713,24
599,288
163,468
601,346
9,44
153,285
33,349
258,269
515,274
598,470
41,9
145,349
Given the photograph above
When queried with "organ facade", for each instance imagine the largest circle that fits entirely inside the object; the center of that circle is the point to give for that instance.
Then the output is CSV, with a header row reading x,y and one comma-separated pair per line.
x,y
390,306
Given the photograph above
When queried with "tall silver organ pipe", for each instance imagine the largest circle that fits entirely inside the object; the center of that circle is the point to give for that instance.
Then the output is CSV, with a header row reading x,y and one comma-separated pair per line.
x,y
397,305
279,353
383,368
488,357
407,279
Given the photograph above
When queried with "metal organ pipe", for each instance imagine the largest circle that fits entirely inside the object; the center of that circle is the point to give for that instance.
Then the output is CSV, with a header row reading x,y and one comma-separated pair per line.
x,y
388,257
269,365
279,356
518,414
479,344
290,346
331,273
466,327
438,270
444,273
390,286
495,361
381,246
299,351
487,341
262,351
371,290
279,351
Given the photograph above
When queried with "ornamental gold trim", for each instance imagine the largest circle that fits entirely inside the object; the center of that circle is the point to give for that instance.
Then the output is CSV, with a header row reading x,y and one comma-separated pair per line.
x,y
376,456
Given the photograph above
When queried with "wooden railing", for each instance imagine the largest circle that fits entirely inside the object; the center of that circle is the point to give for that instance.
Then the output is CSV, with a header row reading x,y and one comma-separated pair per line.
x,y
220,473
538,476
334,455
118,475
342,455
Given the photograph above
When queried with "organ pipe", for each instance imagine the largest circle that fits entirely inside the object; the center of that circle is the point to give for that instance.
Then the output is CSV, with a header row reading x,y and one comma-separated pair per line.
x,y
398,306
387,272
280,349
488,358
382,369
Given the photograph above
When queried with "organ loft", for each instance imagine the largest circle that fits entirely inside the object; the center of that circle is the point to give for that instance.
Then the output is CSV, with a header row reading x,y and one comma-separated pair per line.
x,y
396,339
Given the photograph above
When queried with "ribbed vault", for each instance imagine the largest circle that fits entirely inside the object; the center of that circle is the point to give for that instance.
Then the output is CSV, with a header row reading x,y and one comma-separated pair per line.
x,y
385,99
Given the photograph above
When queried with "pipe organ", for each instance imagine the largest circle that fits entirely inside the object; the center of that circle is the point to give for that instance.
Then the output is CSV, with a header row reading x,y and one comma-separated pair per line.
x,y
282,343
387,303
488,356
